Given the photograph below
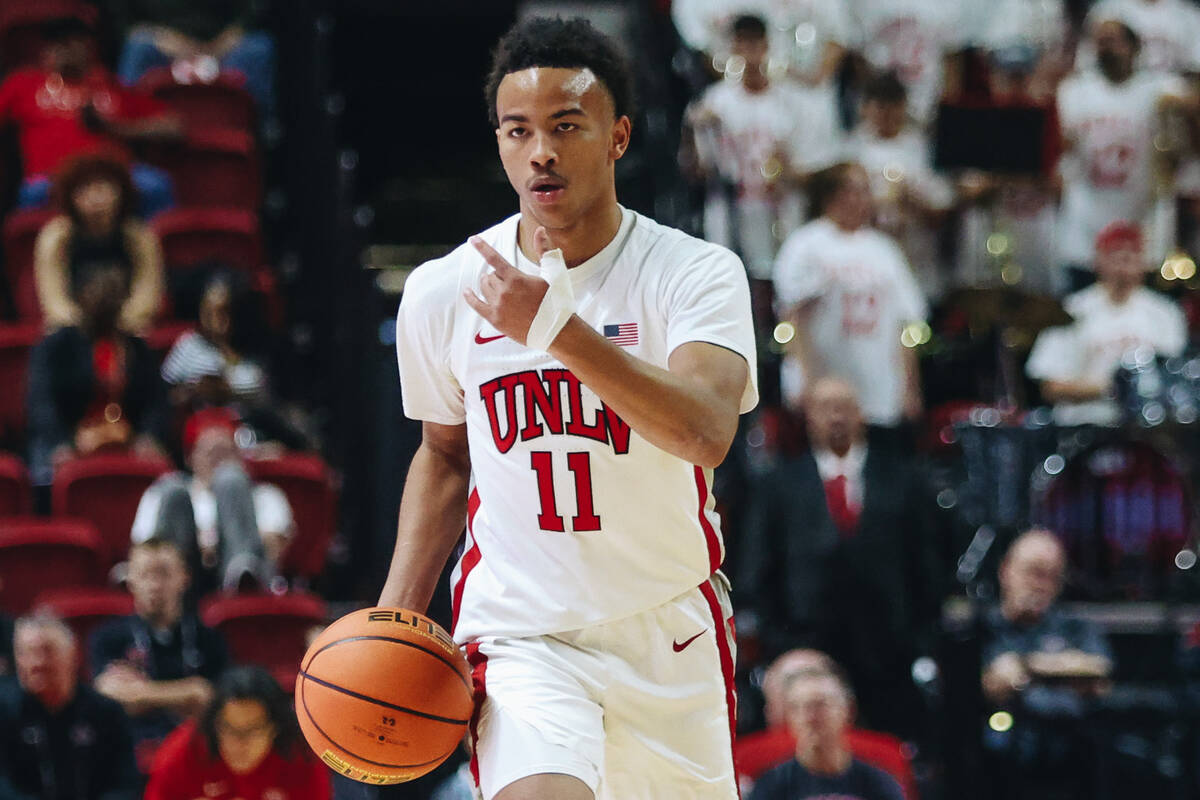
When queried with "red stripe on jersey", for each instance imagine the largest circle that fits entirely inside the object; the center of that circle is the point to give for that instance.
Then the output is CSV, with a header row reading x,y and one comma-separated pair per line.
x,y
478,662
724,635
710,535
469,560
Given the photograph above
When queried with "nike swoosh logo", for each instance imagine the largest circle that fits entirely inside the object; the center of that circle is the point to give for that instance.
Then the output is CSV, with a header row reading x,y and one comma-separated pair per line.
x,y
481,339
679,648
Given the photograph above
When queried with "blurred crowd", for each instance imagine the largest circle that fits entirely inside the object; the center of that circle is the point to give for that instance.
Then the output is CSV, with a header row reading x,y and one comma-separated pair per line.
x,y
970,231
156,534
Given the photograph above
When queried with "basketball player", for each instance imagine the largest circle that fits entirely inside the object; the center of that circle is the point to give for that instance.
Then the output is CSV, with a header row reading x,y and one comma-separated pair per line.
x,y
579,370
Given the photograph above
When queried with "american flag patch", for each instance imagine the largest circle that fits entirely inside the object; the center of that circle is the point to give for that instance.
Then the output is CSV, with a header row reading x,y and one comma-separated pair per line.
x,y
624,334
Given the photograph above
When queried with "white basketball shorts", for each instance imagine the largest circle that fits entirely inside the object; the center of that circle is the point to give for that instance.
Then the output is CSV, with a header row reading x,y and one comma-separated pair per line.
x,y
640,708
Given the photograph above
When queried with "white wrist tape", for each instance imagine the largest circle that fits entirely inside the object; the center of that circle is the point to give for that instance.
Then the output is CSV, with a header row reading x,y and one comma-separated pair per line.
x,y
557,306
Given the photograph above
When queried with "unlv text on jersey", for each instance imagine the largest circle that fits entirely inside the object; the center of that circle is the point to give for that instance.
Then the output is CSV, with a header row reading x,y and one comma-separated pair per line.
x,y
533,405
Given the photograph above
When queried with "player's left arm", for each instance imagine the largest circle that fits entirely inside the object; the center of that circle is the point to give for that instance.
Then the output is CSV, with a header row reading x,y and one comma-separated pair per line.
x,y
689,409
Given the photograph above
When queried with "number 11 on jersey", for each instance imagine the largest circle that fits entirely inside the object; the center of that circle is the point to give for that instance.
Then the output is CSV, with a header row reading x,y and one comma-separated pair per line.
x,y
580,465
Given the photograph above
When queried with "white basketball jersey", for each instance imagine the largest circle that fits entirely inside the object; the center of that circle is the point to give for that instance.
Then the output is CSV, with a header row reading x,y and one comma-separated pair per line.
x,y
573,518
1109,175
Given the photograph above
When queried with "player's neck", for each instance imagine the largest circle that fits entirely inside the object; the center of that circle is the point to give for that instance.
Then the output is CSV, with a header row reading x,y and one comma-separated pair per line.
x,y
578,241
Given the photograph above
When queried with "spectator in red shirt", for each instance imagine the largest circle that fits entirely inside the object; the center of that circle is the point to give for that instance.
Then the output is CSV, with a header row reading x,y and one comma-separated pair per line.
x,y
71,104
246,745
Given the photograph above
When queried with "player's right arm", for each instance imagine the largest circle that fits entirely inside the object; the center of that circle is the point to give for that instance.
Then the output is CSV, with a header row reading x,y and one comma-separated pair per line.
x,y
433,508
432,511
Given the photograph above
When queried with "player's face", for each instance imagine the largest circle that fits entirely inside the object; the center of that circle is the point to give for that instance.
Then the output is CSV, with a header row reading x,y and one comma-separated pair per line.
x,y
559,141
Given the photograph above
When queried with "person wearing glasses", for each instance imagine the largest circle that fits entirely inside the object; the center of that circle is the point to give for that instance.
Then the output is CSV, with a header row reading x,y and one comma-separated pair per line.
x,y
245,745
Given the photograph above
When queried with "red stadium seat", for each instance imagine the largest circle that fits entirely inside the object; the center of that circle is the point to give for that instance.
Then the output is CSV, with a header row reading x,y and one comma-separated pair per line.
x,y
758,752
20,233
214,169
85,608
21,40
15,497
193,236
37,554
265,629
311,492
16,340
223,104
106,488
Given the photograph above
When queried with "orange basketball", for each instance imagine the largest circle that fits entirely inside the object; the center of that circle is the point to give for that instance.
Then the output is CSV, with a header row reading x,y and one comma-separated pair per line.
x,y
383,695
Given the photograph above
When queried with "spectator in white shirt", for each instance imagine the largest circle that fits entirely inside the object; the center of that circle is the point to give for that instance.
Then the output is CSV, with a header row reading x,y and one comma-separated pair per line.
x,y
848,290
808,38
1110,120
911,200
1168,29
216,514
1075,365
914,38
751,141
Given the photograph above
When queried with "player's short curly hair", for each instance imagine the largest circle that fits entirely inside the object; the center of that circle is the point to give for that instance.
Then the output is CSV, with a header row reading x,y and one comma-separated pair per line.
x,y
557,42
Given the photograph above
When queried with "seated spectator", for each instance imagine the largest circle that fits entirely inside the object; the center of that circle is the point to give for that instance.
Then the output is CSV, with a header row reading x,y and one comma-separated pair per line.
x,y
95,194
238,528
911,200
60,739
1075,365
756,753
246,745
205,36
839,551
849,292
91,386
159,663
1041,662
71,105
217,365
213,364
1110,119
820,712
752,139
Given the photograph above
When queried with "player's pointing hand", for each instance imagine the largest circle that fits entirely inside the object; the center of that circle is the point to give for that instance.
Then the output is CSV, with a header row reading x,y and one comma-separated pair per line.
x,y
528,309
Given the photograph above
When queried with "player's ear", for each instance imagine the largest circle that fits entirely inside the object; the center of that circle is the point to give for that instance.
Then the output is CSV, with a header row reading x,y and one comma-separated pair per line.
x,y
621,132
